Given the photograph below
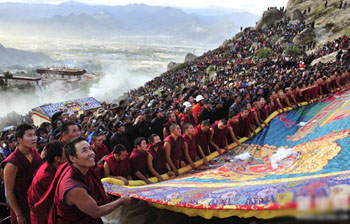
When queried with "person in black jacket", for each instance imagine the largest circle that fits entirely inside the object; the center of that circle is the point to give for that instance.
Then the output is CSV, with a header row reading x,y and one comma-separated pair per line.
x,y
120,137
206,113
157,124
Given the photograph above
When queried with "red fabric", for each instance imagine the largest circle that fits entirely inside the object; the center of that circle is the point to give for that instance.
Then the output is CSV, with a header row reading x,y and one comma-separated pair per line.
x,y
202,139
196,110
176,149
244,127
68,177
188,119
192,145
40,184
24,177
138,162
158,158
219,136
100,152
118,167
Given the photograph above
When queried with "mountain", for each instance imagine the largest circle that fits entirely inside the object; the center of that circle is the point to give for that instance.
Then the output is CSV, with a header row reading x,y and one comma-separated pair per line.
x,y
11,56
95,21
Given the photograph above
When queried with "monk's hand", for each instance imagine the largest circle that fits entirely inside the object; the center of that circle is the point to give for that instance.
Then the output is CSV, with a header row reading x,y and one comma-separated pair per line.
x,y
160,179
176,172
205,161
148,181
193,166
126,182
170,173
125,200
21,219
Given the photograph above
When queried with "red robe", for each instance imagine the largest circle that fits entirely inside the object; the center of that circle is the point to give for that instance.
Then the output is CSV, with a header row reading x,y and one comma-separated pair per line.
x,y
118,167
235,129
40,184
202,139
24,177
176,149
158,158
188,119
138,162
68,177
219,136
100,152
244,127
192,146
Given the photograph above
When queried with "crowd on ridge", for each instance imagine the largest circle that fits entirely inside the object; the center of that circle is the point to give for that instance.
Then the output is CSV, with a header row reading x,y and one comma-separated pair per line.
x,y
172,121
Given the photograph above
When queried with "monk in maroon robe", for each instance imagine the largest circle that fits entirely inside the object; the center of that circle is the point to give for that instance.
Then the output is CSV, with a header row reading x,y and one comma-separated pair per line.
x,y
188,117
174,146
19,170
171,120
202,134
100,149
53,157
138,161
76,194
117,164
156,160
245,126
218,140
190,150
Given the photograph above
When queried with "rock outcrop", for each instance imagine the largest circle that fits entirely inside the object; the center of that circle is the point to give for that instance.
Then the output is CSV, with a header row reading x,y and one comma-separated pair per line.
x,y
305,37
292,3
269,17
189,57
171,65
325,59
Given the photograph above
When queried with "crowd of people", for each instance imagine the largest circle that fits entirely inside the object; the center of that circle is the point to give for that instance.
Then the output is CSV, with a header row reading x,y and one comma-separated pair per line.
x,y
52,173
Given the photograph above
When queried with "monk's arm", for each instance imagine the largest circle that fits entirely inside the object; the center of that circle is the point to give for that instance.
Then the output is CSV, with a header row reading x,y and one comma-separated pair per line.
x,y
205,160
212,142
151,169
106,169
165,133
100,162
167,148
142,177
230,129
10,172
107,173
84,202
188,157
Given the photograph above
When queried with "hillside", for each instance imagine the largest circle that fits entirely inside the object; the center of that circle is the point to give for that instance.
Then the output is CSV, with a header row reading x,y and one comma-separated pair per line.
x,y
11,56
330,22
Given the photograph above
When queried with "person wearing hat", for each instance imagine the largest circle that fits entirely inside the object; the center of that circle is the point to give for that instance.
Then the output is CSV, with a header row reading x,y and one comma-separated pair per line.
x,y
206,113
119,137
10,146
219,111
141,127
41,144
198,107
158,122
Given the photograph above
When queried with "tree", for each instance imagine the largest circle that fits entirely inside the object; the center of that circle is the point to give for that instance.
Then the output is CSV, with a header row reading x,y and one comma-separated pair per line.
x,y
293,50
264,52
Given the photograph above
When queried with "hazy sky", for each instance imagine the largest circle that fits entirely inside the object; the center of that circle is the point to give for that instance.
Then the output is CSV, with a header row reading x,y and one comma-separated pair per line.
x,y
254,6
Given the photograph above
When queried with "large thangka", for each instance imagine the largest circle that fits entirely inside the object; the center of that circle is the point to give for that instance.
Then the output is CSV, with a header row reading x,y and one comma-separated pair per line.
x,y
297,165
